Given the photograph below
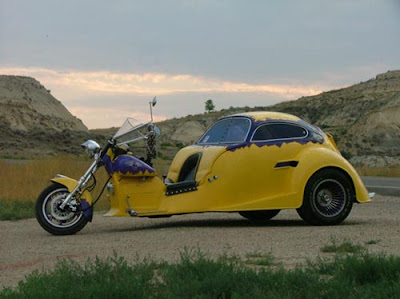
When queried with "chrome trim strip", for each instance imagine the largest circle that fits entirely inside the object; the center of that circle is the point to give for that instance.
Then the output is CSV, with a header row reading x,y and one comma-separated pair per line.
x,y
150,212
279,123
224,143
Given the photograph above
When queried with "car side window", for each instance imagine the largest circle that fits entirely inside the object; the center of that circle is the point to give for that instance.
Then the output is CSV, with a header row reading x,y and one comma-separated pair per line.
x,y
226,131
279,131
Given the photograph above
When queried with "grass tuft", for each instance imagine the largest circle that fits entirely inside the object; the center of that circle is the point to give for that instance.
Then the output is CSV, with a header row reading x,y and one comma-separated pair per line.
x,y
16,210
195,275
372,242
345,247
260,259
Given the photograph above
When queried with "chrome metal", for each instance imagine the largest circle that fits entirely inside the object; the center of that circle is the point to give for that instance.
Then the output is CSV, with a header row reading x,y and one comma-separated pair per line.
x,y
129,210
157,131
371,195
152,104
133,140
82,182
57,216
217,143
110,188
132,213
330,198
279,123
215,177
151,212
91,147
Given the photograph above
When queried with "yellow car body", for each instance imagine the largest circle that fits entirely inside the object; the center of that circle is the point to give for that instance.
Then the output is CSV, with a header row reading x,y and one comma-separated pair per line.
x,y
249,174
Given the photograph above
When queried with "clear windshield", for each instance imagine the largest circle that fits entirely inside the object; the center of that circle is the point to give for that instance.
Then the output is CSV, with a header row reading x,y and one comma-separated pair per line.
x,y
129,125
229,130
131,131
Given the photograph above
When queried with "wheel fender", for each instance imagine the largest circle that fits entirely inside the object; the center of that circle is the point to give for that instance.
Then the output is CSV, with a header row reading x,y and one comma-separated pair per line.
x,y
312,161
86,197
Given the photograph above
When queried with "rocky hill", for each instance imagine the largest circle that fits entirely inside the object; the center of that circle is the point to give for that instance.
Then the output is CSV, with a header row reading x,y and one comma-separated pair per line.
x,y
25,103
33,122
364,119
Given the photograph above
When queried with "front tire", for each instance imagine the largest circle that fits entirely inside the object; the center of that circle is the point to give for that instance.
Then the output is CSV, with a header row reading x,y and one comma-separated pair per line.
x,y
55,220
328,198
259,217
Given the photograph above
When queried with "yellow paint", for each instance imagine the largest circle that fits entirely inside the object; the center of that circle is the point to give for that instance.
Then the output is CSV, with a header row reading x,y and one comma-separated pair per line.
x,y
146,173
142,194
71,184
209,156
246,179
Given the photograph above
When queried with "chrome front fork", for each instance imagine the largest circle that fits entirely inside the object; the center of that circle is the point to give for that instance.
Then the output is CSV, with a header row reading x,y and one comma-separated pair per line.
x,y
81,183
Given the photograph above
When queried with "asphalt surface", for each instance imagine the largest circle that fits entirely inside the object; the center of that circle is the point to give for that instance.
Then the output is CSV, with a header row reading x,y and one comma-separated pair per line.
x,y
382,185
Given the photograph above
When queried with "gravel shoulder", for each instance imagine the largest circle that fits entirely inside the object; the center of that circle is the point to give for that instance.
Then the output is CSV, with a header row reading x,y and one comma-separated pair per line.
x,y
25,246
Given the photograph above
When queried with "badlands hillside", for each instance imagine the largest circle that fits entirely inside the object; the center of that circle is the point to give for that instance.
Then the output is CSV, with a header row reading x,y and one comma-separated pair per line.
x,y
34,123
364,119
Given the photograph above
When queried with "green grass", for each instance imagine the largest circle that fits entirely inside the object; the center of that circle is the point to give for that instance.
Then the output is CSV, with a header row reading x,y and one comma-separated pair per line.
x,y
197,276
16,210
344,247
260,259
372,242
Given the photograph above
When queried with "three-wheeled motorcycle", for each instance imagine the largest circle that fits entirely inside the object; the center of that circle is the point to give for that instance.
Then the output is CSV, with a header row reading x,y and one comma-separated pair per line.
x,y
255,163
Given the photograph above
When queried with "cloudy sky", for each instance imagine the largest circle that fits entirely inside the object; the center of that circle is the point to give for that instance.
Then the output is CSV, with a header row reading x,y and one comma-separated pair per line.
x,y
105,60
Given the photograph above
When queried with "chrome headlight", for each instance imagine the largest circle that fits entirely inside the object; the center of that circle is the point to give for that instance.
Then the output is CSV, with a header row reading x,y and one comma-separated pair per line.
x,y
110,188
91,147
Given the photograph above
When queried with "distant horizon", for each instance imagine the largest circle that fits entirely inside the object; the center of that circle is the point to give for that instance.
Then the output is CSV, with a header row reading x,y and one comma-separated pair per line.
x,y
158,118
239,107
113,58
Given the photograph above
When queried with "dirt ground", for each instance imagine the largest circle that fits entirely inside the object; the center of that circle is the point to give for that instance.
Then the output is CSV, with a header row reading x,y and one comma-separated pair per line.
x,y
25,246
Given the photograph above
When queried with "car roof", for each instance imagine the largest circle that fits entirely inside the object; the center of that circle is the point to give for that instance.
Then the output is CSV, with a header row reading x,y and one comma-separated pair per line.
x,y
267,115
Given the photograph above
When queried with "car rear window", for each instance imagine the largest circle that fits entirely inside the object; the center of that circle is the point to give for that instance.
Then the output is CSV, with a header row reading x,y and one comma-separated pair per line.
x,y
229,130
279,131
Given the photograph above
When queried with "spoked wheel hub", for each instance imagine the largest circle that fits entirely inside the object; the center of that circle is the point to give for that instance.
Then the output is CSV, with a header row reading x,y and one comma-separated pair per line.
x,y
330,198
57,212
55,215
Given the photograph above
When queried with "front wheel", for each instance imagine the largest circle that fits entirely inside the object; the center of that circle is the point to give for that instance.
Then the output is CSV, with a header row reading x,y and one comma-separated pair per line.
x,y
328,198
55,220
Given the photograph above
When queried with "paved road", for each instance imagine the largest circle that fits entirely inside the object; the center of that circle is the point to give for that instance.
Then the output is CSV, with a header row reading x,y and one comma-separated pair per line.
x,y
383,185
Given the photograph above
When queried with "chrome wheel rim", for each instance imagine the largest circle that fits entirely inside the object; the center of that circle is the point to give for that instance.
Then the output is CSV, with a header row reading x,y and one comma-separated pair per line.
x,y
329,198
60,218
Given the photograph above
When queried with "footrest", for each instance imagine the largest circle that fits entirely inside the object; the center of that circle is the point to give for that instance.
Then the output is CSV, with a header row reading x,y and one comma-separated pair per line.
x,y
181,187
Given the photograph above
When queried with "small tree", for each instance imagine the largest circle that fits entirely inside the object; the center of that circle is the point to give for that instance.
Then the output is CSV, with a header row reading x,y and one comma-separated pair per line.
x,y
210,105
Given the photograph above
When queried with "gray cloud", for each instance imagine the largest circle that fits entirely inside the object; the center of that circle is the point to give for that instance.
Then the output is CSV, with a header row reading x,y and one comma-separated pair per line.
x,y
257,40
293,43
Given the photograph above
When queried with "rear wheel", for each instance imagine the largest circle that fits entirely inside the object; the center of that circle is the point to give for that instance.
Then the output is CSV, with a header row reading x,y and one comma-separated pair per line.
x,y
328,198
55,220
259,217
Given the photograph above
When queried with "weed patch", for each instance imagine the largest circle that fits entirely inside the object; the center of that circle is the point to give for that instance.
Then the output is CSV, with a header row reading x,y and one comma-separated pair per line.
x,y
16,210
372,242
197,276
260,259
345,247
